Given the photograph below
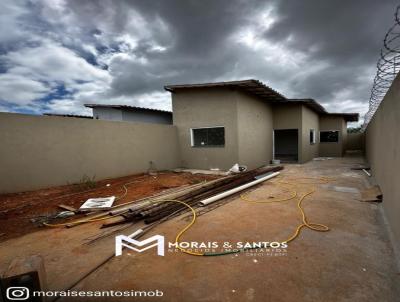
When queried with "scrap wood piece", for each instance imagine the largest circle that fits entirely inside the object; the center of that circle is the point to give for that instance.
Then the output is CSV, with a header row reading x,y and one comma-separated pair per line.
x,y
67,208
193,199
372,194
192,194
113,221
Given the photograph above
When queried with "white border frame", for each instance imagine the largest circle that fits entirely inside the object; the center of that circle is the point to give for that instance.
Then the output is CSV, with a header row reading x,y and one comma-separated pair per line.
x,y
273,144
314,137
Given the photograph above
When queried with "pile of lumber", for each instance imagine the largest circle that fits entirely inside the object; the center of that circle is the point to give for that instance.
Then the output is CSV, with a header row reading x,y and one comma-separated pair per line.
x,y
157,208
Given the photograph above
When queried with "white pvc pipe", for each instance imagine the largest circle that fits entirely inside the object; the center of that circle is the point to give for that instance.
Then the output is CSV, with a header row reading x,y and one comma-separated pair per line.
x,y
134,234
235,190
366,172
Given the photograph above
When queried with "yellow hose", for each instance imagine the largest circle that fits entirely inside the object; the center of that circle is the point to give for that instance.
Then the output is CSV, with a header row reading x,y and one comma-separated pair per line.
x,y
178,236
165,200
289,182
292,196
313,226
57,225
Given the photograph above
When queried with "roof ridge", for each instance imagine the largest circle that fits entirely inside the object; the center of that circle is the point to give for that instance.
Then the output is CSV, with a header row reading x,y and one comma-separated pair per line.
x,y
91,105
253,86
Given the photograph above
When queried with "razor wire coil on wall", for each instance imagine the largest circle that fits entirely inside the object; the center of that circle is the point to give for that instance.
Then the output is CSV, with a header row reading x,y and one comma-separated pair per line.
x,y
387,68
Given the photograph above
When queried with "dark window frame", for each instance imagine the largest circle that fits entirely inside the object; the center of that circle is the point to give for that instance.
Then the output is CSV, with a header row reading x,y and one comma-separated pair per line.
x,y
327,141
206,132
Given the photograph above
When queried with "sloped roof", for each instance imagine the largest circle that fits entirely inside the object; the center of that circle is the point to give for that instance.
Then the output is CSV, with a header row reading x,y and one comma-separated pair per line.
x,y
252,86
127,107
259,89
318,108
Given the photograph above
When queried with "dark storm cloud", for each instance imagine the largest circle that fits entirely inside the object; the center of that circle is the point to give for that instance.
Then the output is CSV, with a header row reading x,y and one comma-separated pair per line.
x,y
347,35
326,50
200,27
197,40
339,31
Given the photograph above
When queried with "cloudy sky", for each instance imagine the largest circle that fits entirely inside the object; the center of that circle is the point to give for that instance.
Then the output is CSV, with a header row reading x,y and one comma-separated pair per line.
x,y
56,55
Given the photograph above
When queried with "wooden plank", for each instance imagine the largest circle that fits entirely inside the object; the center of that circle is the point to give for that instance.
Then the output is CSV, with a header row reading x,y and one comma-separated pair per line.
x,y
373,194
114,221
67,208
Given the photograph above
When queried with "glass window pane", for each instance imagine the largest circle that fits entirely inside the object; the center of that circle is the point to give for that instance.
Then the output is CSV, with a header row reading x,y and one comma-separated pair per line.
x,y
199,137
329,136
216,136
208,137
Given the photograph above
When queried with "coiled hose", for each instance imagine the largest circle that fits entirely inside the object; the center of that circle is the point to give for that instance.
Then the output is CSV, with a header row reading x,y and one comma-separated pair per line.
x,y
289,185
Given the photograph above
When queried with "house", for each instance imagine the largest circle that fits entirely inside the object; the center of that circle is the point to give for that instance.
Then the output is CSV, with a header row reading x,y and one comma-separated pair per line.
x,y
130,114
249,123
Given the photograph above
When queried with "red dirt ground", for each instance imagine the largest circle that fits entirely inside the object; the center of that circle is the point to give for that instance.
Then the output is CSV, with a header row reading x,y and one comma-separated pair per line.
x,y
17,209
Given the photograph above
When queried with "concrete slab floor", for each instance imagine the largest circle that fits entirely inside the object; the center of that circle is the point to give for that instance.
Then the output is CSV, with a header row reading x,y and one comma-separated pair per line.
x,y
354,261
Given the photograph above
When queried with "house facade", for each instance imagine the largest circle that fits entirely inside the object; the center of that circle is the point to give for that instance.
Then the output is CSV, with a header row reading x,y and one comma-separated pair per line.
x,y
215,126
246,122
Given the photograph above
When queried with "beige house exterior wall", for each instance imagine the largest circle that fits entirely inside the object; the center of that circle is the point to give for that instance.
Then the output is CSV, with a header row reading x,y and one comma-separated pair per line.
x,y
287,116
43,151
355,141
196,108
310,120
382,152
299,117
345,136
333,123
255,127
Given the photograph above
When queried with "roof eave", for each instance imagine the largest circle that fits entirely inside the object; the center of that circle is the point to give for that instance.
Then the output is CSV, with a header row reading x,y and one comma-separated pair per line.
x,y
127,107
348,117
252,86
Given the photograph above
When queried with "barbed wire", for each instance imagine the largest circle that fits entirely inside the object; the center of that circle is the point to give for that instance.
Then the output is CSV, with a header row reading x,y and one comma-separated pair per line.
x,y
387,68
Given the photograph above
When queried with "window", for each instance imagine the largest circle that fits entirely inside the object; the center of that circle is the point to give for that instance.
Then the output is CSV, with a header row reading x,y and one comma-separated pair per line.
x,y
208,137
312,136
331,136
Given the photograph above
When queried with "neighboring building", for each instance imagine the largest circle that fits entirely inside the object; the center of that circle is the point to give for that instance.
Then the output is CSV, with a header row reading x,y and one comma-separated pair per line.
x,y
246,122
130,114
68,115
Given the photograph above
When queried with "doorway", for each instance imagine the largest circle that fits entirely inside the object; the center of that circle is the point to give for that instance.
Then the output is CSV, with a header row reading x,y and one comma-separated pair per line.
x,y
286,145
